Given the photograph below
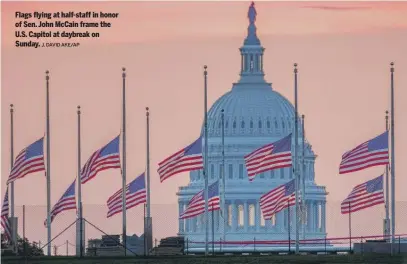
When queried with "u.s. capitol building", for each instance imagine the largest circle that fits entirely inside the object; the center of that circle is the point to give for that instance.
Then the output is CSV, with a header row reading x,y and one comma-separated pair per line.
x,y
255,114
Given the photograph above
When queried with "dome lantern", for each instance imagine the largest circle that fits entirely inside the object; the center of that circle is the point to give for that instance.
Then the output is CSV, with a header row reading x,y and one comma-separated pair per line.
x,y
252,53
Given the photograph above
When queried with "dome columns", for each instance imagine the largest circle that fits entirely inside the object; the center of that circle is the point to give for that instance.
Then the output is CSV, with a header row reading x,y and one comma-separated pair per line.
x,y
252,63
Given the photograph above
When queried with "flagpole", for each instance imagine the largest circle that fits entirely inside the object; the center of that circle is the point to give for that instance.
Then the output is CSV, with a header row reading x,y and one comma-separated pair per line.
x,y
303,179
392,167
289,227
48,173
223,176
205,171
350,229
387,222
149,220
296,212
124,161
79,183
213,231
14,232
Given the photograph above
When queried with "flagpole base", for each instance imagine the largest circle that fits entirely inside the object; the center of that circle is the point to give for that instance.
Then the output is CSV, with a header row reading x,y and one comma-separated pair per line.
x,y
148,234
78,238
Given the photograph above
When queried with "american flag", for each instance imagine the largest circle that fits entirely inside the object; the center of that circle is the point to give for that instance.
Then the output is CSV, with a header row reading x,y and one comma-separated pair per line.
x,y
66,202
278,199
364,195
196,205
29,160
269,157
187,159
107,157
371,153
5,222
135,195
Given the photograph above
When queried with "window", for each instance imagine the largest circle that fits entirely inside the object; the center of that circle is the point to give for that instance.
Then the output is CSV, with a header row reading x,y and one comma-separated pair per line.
x,y
221,171
242,124
291,173
260,124
251,215
220,124
230,171
229,215
234,124
275,123
262,222
272,174
240,171
281,173
212,171
199,175
227,124
283,125
251,123
268,124
319,211
240,214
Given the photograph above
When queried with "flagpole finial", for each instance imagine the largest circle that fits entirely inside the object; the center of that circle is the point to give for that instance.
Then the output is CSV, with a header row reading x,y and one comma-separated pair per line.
x,y
79,109
223,110
205,70
295,68
392,66
11,108
124,72
147,111
47,75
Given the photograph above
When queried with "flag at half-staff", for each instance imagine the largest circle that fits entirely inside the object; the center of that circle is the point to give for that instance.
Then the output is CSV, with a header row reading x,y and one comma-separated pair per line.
x,y
196,205
107,157
5,222
363,196
66,202
29,160
272,156
187,159
371,153
277,199
135,194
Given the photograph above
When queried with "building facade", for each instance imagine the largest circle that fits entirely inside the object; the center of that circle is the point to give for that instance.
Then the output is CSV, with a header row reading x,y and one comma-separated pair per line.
x,y
255,114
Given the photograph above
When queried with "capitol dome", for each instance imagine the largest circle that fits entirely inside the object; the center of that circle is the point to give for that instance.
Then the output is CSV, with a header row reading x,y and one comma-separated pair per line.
x,y
252,111
255,114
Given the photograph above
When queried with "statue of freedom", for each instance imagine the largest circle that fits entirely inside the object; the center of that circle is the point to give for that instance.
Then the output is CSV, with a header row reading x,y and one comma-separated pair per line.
x,y
252,13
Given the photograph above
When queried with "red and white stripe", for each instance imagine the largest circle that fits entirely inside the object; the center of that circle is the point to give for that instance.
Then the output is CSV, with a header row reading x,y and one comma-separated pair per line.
x,y
115,205
361,158
95,164
23,166
275,201
197,206
178,163
360,199
263,159
65,203
5,222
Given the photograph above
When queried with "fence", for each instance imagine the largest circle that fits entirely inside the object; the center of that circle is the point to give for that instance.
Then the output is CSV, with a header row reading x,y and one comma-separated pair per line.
x,y
366,224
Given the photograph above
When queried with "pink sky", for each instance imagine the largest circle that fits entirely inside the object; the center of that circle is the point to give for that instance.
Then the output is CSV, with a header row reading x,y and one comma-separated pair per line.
x,y
343,51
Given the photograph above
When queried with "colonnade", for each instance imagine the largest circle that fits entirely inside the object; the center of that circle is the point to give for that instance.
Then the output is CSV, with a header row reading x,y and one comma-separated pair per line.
x,y
244,216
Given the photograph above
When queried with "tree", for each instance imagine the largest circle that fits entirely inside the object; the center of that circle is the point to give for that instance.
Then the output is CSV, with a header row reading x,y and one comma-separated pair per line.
x,y
24,247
